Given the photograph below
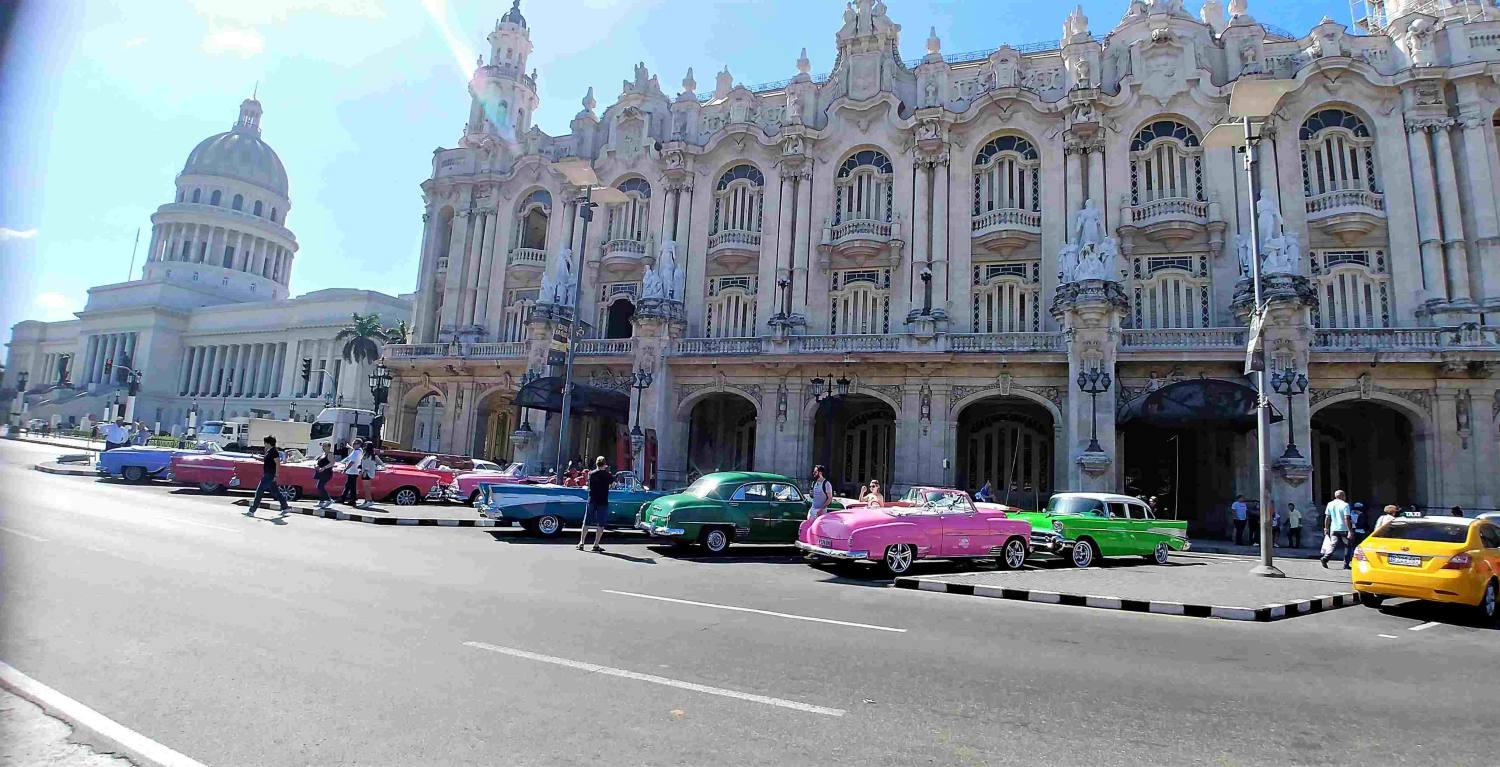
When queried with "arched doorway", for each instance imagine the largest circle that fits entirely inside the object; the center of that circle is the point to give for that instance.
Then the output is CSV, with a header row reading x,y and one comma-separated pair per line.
x,y
721,435
493,426
617,319
1365,449
427,424
1007,442
855,436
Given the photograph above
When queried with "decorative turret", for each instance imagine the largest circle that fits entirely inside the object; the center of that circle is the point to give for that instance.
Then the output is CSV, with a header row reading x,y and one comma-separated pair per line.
x,y
504,95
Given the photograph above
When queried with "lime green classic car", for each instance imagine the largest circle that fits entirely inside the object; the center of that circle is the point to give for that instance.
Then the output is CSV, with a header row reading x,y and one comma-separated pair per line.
x,y
1082,527
729,506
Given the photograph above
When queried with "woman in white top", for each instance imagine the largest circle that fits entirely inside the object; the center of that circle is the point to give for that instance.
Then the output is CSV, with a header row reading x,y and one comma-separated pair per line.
x,y
369,464
874,497
350,469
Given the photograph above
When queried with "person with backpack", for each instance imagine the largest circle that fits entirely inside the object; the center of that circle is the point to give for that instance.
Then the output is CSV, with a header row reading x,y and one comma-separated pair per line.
x,y
822,492
267,484
323,473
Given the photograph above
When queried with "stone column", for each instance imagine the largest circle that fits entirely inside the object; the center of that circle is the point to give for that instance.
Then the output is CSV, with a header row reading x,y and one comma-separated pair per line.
x,y
90,354
657,326
452,290
802,242
922,221
281,371
1072,180
1455,254
1090,312
785,238
1434,272
1484,264
184,370
939,254
1096,190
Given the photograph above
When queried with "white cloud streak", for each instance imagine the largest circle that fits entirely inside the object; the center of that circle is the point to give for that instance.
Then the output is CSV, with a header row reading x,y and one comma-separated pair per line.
x,y
7,234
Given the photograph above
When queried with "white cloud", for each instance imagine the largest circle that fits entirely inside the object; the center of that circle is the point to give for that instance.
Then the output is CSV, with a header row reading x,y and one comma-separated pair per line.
x,y
16,234
53,307
240,41
135,42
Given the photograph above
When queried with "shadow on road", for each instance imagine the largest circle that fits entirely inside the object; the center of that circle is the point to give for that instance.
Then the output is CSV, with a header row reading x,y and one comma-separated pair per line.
x,y
1435,612
280,519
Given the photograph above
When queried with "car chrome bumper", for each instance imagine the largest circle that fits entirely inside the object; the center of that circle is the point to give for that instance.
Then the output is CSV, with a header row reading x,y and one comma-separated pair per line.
x,y
832,553
659,530
1049,543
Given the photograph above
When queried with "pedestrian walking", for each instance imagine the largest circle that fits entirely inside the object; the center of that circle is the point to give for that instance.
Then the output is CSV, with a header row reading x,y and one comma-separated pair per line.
x,y
1241,515
116,435
1293,526
596,513
350,468
822,491
1336,529
985,494
323,473
139,435
1387,514
1275,526
369,464
1358,526
267,485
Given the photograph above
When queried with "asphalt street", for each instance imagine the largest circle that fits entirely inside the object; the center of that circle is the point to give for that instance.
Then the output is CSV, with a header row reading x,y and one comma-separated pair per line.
x,y
299,640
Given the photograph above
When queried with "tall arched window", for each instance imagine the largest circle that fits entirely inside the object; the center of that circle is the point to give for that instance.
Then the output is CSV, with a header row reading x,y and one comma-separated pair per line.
x,y
257,210
731,307
631,220
860,302
273,216
197,195
1166,162
1338,154
181,193
239,202
216,197
737,200
532,218
862,189
1006,177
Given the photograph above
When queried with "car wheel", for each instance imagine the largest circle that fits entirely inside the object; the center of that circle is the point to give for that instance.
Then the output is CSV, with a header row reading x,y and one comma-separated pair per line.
x,y
1013,557
210,488
290,492
716,540
407,496
1487,608
1083,553
549,526
898,558
473,498
1160,553
1370,600
133,474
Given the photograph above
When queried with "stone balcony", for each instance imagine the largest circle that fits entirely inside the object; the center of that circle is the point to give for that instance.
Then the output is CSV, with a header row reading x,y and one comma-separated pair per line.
x,y
860,242
1465,337
733,248
1170,220
525,261
618,254
958,343
1347,213
1005,230
605,347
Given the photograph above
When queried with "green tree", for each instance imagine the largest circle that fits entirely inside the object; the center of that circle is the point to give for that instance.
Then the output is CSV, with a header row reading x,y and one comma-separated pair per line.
x,y
362,338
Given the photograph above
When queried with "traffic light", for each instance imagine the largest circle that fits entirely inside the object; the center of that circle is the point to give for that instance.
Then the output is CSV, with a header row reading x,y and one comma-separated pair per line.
x,y
306,369
109,369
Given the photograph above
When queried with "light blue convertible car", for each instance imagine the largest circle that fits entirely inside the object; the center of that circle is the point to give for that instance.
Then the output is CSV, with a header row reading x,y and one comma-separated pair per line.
x,y
546,509
138,463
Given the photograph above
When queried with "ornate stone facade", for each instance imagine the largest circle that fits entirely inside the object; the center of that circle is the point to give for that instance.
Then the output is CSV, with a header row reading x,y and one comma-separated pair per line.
x,y
895,229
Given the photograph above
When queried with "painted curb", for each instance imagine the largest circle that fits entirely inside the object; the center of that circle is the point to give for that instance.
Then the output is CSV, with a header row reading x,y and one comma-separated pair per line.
x,y
1264,614
382,520
67,471
96,728
50,443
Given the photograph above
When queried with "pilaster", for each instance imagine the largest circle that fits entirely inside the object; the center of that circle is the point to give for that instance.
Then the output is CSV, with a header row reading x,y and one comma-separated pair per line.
x,y
1090,313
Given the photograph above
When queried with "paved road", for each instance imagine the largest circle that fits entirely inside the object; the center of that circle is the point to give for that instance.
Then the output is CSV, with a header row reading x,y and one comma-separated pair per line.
x,y
249,641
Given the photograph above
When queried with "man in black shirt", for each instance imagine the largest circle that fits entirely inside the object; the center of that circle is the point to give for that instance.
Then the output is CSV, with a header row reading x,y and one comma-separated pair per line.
x,y
597,511
267,483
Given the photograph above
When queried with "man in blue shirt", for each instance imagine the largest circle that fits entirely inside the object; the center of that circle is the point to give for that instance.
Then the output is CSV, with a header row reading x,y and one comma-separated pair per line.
x,y
1241,516
1336,524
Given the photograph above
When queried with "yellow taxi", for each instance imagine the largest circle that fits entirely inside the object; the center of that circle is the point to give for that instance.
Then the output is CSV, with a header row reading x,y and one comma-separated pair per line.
x,y
1437,559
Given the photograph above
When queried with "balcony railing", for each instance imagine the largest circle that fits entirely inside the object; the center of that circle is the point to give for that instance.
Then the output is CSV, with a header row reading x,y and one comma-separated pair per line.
x,y
1183,338
606,347
503,350
854,343
720,347
734,238
1008,218
1345,201
1167,209
536,257
1006,342
1406,339
861,227
634,248
415,351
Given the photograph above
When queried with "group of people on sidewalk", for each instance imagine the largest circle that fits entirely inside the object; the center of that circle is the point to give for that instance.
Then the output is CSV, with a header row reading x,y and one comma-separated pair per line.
x,y
1247,524
1347,525
355,461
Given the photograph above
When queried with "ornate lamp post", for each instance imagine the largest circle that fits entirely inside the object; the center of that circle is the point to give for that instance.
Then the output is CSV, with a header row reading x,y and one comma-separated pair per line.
x,y
1289,383
192,424
22,378
380,388
1094,382
292,414
640,380
224,401
830,390
523,435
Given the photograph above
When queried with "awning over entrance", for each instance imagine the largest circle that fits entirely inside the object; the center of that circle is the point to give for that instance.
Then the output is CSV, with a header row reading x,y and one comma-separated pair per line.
x,y
546,394
1207,402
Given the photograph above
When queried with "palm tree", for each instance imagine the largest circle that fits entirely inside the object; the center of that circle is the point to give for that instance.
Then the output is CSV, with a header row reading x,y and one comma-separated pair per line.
x,y
362,338
398,333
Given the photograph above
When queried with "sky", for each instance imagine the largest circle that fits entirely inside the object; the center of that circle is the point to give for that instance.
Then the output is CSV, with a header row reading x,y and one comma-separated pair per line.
x,y
101,101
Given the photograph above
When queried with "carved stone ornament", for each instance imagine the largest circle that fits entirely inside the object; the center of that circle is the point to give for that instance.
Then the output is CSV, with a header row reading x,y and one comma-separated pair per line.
x,y
1294,470
1094,464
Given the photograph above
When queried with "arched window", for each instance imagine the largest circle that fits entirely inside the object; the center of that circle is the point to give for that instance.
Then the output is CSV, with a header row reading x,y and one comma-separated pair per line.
x,y
532,218
1006,176
273,216
257,209
860,302
1170,291
862,189
1166,162
239,202
180,194
1338,154
631,220
197,195
216,197
1006,297
738,200
731,307
616,308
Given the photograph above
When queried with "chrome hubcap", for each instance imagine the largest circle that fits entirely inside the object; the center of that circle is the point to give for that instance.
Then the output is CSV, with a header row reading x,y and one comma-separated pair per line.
x,y
899,558
1161,553
1082,553
716,540
548,525
1015,554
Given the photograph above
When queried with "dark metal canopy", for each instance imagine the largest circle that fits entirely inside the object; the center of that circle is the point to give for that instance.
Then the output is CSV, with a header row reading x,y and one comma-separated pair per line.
x,y
1211,402
546,394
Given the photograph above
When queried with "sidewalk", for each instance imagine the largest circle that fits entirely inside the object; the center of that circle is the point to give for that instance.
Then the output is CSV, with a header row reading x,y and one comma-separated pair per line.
x,y
1201,546
1191,585
421,515
71,443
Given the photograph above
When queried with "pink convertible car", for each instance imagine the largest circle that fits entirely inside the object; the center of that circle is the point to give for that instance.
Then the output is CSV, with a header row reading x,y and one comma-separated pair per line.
x,y
929,523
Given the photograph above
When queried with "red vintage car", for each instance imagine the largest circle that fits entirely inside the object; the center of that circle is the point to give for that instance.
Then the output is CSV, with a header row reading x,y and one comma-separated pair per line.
x,y
401,485
210,472
465,487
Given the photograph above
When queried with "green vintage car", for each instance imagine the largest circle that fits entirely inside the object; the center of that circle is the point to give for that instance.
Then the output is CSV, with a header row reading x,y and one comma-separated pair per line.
x,y
1082,527
728,506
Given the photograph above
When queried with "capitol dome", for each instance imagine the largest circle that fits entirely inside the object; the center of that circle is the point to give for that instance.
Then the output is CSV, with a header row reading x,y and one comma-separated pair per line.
x,y
240,154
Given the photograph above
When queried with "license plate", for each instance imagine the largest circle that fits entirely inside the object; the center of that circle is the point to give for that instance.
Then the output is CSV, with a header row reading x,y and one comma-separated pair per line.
x,y
824,542
1404,560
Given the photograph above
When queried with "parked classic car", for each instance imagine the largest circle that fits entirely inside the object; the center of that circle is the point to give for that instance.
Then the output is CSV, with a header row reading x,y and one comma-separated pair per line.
x,y
725,507
1082,527
1435,559
929,523
401,485
465,487
209,472
138,463
546,509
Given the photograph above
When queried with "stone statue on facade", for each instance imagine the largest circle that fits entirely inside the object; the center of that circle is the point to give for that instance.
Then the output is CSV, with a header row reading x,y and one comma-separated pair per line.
x,y
1280,251
1244,248
668,274
1087,229
557,280
1419,43
651,285
1076,24
1092,255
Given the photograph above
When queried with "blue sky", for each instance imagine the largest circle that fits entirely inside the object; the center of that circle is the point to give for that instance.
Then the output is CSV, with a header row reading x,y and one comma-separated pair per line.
x,y
101,101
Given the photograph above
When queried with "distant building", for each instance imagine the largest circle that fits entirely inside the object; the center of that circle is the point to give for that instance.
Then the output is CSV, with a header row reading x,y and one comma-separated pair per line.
x,y
210,321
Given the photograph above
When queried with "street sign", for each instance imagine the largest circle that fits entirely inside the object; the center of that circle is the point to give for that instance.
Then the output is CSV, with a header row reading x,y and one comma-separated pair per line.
x,y
557,353
1255,360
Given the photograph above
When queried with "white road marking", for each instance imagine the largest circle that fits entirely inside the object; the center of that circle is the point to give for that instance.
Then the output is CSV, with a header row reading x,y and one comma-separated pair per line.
x,y
199,524
1424,626
661,680
139,748
36,538
1387,636
758,612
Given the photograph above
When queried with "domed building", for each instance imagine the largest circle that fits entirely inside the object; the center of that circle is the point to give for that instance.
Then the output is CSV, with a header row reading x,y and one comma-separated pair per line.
x,y
210,321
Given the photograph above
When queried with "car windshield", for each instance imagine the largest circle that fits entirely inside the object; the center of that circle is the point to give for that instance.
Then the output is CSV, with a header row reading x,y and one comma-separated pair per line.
x,y
212,428
1073,506
1404,529
703,488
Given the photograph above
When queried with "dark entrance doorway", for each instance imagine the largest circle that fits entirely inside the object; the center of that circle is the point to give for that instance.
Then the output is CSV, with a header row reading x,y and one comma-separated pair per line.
x,y
617,321
721,435
855,437
1008,443
1365,449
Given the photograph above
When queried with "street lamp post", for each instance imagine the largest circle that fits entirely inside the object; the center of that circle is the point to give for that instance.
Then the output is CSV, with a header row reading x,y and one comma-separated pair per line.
x,y
1289,383
22,378
640,380
224,401
832,391
192,424
1094,382
380,389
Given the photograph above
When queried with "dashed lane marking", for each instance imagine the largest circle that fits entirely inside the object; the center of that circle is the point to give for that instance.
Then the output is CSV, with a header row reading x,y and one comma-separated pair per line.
x,y
758,612
661,680
29,536
1424,626
1387,636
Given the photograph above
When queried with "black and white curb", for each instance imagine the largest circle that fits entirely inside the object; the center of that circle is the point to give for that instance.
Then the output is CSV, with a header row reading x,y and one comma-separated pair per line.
x,y
372,519
1259,614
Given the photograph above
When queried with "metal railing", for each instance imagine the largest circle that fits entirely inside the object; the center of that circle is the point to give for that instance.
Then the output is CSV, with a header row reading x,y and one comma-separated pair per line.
x,y
1008,218
1183,338
1006,342
1345,201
